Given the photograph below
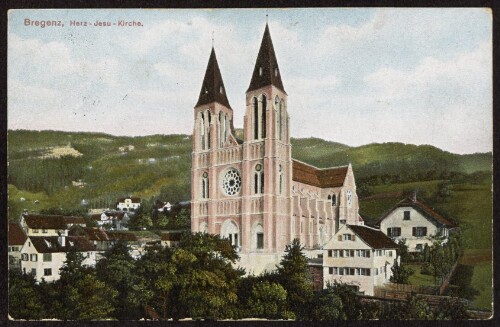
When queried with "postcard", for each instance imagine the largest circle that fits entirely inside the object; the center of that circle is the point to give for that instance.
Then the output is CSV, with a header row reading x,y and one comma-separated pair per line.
x,y
301,164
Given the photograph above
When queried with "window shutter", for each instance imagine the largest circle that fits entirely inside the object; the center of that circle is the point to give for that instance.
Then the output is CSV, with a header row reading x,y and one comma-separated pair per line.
x,y
368,253
340,237
354,237
414,231
424,231
389,232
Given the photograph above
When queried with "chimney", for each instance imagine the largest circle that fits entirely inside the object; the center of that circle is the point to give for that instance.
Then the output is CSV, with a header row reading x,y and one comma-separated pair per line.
x,y
414,196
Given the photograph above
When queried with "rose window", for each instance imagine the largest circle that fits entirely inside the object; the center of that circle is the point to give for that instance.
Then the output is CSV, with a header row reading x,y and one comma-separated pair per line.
x,y
231,183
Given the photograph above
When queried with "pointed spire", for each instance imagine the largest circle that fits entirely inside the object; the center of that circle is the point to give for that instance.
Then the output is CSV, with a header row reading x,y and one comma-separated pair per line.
x,y
212,89
266,71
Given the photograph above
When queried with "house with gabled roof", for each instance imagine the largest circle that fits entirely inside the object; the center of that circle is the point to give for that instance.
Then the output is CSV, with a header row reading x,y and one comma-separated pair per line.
x,y
413,220
361,256
49,225
43,256
130,203
17,238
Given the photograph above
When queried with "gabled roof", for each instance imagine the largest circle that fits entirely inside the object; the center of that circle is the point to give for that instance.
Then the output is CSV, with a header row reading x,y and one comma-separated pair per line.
x,y
267,64
17,236
424,209
375,238
38,221
90,233
310,175
50,244
212,89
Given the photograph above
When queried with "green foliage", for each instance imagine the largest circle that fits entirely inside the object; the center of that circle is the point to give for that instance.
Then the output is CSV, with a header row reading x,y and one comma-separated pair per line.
x,y
351,305
403,251
327,305
268,300
25,301
141,219
400,273
294,276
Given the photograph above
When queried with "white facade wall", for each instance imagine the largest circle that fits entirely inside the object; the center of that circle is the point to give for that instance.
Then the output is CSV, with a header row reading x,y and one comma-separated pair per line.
x,y
379,262
127,204
56,262
396,219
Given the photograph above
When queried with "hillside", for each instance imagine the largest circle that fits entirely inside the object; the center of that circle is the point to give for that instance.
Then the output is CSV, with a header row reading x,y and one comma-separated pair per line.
x,y
62,169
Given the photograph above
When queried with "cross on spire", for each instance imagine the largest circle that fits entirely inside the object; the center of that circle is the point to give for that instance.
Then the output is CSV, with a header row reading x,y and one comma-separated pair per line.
x,y
213,39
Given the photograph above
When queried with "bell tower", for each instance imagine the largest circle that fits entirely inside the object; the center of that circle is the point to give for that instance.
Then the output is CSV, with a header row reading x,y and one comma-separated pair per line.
x,y
213,130
266,203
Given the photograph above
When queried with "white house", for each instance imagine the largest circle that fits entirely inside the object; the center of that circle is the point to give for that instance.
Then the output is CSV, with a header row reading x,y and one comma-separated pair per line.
x,y
415,221
128,203
17,238
359,255
49,225
115,219
43,256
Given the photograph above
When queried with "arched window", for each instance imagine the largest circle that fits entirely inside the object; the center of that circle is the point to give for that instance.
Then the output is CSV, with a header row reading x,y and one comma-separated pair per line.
x,y
222,128
258,182
204,186
282,119
278,117
202,131
230,231
258,237
208,128
334,200
255,118
280,172
226,127
264,114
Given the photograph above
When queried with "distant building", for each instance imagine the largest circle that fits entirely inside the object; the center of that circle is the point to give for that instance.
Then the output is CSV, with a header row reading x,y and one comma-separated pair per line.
x,y
128,203
17,238
49,225
413,220
43,256
359,255
171,238
112,219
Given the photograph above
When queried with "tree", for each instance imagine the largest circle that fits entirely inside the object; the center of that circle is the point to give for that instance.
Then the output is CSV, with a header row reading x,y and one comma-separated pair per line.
x,y
295,278
327,305
403,250
141,219
25,301
117,270
400,273
351,303
268,300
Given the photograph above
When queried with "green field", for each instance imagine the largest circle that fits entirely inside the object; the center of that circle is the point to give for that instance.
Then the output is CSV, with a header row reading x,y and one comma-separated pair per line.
x,y
482,281
418,278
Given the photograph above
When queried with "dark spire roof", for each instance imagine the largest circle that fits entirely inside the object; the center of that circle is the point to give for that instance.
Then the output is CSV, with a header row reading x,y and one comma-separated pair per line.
x,y
266,59
212,89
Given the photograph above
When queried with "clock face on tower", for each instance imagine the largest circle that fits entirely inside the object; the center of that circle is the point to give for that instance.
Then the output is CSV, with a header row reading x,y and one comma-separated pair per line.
x,y
231,182
349,198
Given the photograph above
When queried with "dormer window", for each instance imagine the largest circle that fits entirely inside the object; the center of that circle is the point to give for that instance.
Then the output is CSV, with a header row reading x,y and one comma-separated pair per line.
x,y
260,71
221,90
206,90
275,71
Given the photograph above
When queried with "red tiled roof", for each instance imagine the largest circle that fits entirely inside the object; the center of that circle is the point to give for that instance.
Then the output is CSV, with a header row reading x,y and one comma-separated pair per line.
x,y
422,208
45,221
17,236
50,244
373,237
74,220
326,177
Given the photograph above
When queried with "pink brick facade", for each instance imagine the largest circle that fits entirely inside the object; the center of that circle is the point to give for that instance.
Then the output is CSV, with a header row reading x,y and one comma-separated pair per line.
x,y
252,191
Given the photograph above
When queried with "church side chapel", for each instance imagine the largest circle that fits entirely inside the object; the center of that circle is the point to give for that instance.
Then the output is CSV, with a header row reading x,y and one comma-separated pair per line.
x,y
251,191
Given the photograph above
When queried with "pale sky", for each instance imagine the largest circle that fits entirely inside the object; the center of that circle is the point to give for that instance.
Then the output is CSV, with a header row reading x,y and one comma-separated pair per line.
x,y
354,76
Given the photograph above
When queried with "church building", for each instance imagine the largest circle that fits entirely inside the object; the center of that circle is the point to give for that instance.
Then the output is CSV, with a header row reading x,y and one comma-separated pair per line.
x,y
252,191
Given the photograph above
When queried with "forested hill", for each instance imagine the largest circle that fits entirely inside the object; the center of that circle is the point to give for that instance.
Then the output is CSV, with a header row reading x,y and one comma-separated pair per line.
x,y
68,169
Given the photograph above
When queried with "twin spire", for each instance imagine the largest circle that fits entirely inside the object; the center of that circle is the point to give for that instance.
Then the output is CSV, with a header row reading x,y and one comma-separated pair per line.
x,y
266,72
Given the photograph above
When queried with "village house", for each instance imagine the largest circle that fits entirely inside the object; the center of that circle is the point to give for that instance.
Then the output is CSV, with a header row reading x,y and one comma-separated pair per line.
x,y
416,222
171,238
43,256
49,225
128,203
117,220
17,238
359,255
